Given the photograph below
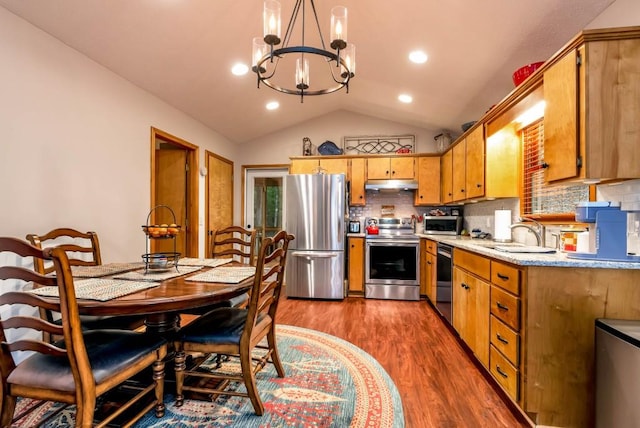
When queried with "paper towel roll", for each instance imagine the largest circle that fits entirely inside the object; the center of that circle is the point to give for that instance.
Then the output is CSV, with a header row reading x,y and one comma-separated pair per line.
x,y
502,225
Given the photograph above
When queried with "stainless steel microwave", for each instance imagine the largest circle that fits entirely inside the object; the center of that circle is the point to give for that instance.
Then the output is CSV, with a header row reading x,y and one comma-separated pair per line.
x,y
442,225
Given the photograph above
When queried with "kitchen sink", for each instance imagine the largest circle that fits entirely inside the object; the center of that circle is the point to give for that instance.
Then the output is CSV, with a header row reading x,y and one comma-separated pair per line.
x,y
493,244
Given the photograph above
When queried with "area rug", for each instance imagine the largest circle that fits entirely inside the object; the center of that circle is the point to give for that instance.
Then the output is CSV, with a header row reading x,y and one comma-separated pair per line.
x,y
329,383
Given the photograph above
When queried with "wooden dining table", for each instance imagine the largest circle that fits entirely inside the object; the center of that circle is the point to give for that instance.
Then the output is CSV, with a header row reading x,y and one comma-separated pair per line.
x,y
162,304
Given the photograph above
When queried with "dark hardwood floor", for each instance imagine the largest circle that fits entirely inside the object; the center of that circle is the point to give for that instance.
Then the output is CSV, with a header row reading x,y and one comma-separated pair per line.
x,y
439,383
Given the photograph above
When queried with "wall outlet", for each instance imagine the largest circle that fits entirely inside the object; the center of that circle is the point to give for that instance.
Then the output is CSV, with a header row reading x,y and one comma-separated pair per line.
x,y
488,221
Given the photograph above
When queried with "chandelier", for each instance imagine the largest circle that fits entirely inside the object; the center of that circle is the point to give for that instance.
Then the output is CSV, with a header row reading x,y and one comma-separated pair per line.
x,y
267,58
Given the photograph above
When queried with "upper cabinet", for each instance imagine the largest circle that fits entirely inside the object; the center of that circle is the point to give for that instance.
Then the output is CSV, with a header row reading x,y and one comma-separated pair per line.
x,y
428,192
357,174
391,168
592,95
446,169
313,166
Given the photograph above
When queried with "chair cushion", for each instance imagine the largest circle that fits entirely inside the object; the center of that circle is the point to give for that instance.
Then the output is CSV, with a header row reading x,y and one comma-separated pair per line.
x,y
220,326
231,303
109,352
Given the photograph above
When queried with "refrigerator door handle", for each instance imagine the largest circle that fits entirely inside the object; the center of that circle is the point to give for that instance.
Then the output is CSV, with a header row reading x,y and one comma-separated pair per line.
x,y
315,254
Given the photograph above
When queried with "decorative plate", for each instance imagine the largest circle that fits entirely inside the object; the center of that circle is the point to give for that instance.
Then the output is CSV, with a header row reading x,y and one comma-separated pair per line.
x,y
329,148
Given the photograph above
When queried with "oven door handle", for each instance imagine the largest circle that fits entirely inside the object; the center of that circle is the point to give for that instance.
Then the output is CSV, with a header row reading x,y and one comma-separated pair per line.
x,y
315,254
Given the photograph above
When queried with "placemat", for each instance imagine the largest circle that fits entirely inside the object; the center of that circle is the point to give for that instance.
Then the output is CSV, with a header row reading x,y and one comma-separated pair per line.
x,y
98,289
228,275
190,261
102,270
157,275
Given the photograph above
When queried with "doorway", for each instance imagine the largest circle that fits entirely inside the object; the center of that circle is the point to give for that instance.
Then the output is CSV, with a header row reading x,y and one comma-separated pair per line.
x,y
174,187
263,199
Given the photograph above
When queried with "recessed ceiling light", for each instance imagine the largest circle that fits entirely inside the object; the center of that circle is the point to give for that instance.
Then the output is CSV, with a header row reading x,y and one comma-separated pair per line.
x,y
240,69
273,105
419,57
405,98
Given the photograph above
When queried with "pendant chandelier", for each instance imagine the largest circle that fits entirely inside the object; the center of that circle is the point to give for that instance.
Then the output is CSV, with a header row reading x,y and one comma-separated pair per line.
x,y
267,57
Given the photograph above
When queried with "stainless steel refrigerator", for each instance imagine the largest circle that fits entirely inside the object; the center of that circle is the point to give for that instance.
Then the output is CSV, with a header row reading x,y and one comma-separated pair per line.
x,y
315,214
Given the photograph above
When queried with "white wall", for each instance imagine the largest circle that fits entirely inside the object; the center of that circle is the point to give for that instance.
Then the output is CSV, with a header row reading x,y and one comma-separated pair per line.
x,y
622,13
277,147
75,144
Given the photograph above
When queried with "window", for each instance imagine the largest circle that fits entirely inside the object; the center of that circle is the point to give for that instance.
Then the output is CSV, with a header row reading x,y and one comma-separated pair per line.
x,y
540,199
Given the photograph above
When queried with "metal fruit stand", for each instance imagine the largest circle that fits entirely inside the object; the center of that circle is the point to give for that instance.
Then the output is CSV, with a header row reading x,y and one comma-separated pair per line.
x,y
160,260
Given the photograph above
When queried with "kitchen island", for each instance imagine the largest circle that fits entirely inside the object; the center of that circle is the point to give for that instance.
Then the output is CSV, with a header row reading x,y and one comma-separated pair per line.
x,y
530,321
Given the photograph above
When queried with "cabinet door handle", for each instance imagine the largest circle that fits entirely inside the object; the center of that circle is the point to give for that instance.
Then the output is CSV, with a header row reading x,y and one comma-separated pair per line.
x,y
499,370
503,277
462,190
428,263
465,286
478,185
501,306
544,164
502,339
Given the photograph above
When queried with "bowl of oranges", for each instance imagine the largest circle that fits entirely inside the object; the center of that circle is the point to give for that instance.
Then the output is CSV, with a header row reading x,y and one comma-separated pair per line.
x,y
161,230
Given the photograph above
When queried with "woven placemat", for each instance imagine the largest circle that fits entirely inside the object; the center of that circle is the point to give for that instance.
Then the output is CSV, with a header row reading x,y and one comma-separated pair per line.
x,y
101,270
157,275
190,261
99,289
228,275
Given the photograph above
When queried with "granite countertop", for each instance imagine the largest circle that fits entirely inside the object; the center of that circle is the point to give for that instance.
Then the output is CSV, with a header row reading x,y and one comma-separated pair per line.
x,y
558,259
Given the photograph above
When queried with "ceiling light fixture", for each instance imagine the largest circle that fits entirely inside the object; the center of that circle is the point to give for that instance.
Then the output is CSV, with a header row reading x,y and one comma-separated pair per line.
x,y
418,57
405,98
266,57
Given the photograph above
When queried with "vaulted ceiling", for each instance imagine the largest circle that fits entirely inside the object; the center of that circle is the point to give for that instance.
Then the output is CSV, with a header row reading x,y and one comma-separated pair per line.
x,y
183,50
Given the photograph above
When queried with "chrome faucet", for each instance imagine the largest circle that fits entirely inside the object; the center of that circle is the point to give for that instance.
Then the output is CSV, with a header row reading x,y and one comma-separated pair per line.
x,y
538,230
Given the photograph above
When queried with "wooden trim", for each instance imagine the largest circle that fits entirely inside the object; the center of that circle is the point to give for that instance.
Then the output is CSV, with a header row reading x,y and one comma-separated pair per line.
x,y
193,197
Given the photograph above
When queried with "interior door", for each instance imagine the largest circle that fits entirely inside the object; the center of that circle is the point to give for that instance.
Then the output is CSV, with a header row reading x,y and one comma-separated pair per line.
x,y
171,191
219,194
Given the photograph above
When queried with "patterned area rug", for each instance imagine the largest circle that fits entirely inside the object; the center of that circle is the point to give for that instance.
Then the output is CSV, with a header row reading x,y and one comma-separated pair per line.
x,y
329,383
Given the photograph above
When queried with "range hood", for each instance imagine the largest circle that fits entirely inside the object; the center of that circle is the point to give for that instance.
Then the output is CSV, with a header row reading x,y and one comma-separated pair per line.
x,y
391,185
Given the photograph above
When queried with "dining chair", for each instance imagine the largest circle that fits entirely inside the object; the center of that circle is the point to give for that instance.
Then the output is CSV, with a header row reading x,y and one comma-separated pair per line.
x,y
83,249
234,241
83,365
235,332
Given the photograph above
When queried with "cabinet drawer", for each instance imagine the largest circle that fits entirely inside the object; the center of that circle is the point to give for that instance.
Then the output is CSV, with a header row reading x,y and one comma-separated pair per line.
x,y
505,340
505,373
505,276
506,307
431,247
474,263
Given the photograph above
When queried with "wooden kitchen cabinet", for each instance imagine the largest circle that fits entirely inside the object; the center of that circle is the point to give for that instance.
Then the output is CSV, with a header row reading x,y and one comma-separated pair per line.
x,y
428,192
357,177
471,297
356,265
467,170
458,172
391,168
474,164
429,266
592,95
446,169
328,166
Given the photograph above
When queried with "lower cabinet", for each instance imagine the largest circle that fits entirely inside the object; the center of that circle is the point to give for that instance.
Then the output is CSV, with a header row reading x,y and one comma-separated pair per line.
x,y
356,265
471,298
430,265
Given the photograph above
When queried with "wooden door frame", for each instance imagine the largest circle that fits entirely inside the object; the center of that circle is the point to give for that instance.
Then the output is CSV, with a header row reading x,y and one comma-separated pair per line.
x,y
243,183
191,246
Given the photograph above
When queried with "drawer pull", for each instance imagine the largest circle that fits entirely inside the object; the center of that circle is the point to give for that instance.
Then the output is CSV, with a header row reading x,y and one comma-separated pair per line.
x,y
428,263
503,277
501,306
502,339
499,370
465,286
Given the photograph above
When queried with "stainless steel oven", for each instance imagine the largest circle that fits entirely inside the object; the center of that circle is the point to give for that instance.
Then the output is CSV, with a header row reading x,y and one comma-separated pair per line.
x,y
392,261
444,281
